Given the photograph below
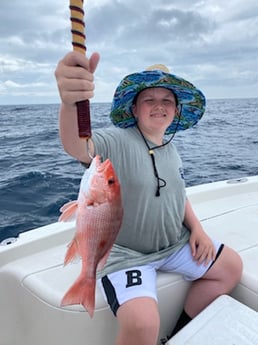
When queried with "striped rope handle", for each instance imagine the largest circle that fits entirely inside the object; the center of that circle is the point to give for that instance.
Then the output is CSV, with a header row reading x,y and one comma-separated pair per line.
x,y
78,41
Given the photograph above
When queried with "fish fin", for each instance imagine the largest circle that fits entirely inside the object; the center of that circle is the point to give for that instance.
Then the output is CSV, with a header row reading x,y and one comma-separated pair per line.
x,y
68,211
72,252
81,292
103,261
67,205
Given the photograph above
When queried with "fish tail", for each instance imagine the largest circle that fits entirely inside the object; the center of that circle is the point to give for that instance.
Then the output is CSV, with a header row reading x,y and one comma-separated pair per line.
x,y
81,292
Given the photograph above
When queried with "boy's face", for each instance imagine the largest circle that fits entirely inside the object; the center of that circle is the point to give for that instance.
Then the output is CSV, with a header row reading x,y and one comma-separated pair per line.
x,y
155,109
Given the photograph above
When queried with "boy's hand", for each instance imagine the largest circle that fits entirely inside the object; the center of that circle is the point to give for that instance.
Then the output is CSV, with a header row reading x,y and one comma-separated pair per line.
x,y
202,247
75,79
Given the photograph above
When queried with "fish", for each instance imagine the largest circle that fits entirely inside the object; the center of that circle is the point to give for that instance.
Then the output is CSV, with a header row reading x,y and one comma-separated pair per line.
x,y
98,213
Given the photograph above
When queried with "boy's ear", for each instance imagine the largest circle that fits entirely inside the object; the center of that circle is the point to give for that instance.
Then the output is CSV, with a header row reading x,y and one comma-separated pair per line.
x,y
134,110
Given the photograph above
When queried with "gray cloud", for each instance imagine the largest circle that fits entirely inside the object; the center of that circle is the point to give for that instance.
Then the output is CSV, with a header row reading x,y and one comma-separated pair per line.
x,y
210,43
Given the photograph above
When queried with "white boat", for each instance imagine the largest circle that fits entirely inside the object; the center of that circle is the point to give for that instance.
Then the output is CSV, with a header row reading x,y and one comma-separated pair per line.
x,y
33,279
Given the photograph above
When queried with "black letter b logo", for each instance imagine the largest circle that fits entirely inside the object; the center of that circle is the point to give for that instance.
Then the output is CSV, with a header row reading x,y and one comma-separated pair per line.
x,y
133,278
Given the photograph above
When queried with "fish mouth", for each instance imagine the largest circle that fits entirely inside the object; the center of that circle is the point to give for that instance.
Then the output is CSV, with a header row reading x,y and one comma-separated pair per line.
x,y
104,165
108,172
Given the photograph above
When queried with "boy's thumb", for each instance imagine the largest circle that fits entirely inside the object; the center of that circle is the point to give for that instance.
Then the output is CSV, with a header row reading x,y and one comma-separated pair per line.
x,y
94,60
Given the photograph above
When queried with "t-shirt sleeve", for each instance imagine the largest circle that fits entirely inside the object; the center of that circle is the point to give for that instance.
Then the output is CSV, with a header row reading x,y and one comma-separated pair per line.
x,y
106,142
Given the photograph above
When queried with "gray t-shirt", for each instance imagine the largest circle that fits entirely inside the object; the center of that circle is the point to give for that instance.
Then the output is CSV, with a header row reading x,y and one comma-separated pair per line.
x,y
152,226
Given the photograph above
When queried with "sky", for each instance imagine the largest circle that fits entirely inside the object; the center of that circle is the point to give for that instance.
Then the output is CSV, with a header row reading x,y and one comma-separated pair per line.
x,y
213,44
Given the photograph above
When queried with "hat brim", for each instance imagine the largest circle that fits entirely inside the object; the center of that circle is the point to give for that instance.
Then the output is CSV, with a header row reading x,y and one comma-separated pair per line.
x,y
190,99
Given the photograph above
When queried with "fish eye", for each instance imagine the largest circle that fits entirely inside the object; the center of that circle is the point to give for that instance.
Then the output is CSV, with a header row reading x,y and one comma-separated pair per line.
x,y
111,181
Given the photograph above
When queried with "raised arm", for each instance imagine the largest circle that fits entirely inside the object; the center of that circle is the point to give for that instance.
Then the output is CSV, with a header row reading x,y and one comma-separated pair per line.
x,y
75,80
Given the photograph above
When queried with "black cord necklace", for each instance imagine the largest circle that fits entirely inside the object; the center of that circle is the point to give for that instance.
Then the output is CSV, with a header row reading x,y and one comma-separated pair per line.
x,y
160,181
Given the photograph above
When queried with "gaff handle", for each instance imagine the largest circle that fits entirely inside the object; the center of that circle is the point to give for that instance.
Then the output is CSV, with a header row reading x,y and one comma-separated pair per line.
x,y
78,42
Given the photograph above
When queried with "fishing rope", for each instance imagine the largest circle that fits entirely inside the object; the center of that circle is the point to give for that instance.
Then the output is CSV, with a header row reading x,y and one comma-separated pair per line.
x,y
78,42
160,181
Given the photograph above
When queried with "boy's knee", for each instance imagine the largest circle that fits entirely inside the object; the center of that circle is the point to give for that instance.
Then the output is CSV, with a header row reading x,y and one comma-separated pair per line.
x,y
141,322
227,270
150,324
233,268
145,323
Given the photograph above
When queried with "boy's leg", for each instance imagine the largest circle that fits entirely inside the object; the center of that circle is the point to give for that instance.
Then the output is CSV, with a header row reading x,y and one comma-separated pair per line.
x,y
131,295
220,279
209,282
139,322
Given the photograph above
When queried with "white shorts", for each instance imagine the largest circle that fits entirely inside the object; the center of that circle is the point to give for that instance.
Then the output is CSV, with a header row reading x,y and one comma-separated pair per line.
x,y
124,285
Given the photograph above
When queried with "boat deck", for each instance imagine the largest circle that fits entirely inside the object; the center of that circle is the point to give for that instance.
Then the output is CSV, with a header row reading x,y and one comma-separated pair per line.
x,y
33,279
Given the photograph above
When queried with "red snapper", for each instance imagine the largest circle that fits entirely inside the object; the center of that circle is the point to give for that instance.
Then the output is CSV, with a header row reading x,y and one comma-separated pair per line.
x,y
98,213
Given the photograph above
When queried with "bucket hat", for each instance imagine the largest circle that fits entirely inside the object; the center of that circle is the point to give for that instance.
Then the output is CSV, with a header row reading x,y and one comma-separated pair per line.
x,y
191,101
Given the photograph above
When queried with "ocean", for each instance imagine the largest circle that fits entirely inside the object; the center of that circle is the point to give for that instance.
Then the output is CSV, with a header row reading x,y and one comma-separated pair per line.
x,y
37,177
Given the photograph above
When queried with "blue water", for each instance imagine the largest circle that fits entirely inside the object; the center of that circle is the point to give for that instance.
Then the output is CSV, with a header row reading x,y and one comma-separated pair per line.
x,y
37,176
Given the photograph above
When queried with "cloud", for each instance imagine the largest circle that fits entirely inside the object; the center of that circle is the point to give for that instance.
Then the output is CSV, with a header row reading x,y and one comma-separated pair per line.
x,y
210,43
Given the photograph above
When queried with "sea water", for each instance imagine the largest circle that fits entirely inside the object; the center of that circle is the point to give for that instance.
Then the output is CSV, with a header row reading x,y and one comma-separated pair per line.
x,y
37,177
